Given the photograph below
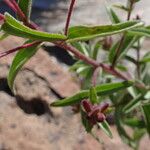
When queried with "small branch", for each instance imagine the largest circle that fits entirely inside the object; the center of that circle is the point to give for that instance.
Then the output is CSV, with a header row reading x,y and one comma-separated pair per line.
x,y
114,72
95,75
19,11
69,16
2,54
90,61
130,9
2,17
14,6
118,51
77,54
138,61
9,3
123,37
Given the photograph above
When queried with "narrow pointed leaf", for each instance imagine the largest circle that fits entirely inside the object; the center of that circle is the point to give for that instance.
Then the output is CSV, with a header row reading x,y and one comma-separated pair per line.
x,y
93,96
106,128
119,123
85,122
20,59
113,16
133,104
146,111
3,36
143,31
83,33
134,122
120,6
128,42
101,90
14,27
146,58
25,6
96,50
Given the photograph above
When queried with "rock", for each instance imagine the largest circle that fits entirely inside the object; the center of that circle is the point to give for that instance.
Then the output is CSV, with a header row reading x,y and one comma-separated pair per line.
x,y
43,66
26,121
19,130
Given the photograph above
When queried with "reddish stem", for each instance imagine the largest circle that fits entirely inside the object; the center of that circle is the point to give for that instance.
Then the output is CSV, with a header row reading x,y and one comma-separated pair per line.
x,y
95,75
2,54
2,17
19,11
9,3
89,60
69,16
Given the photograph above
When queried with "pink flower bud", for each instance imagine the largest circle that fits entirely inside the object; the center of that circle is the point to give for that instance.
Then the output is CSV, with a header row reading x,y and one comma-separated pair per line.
x,y
94,111
104,106
100,117
87,105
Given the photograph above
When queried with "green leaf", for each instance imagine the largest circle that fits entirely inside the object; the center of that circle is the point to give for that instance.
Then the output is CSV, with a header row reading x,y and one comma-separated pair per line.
x,y
138,134
146,111
96,49
128,42
96,138
131,59
145,74
143,31
122,7
93,96
119,123
14,27
134,122
133,104
113,16
101,90
106,128
20,59
146,58
81,47
3,36
25,6
85,122
83,33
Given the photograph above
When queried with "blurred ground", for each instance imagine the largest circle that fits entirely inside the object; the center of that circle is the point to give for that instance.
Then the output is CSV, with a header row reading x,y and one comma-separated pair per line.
x,y
26,121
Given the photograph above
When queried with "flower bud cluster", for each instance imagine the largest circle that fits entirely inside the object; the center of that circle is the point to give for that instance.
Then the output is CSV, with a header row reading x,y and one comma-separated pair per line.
x,y
95,113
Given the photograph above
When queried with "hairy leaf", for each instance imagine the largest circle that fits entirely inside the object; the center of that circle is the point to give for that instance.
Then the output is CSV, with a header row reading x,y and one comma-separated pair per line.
x,y
25,6
128,42
113,16
133,104
106,128
83,33
146,111
93,95
104,89
14,27
119,123
20,59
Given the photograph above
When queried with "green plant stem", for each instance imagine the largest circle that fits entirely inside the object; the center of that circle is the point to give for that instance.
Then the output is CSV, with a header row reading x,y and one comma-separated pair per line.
x,y
69,16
